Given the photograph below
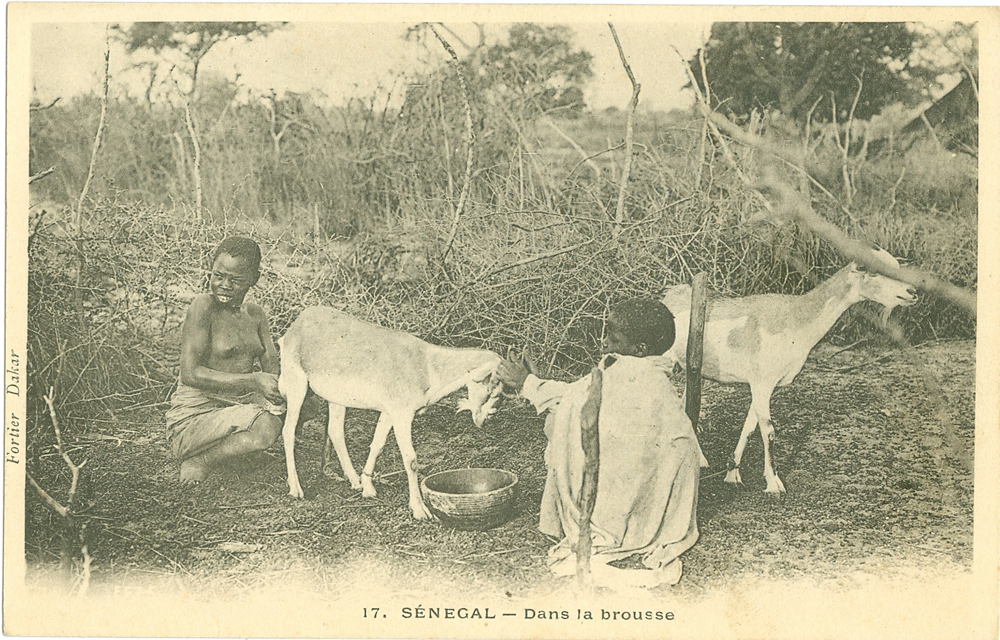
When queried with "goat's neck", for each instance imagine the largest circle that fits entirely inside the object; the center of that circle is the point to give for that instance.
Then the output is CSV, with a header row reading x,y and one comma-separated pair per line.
x,y
448,370
826,303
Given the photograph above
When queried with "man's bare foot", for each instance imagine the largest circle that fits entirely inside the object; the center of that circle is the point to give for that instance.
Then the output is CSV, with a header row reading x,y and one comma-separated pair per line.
x,y
192,472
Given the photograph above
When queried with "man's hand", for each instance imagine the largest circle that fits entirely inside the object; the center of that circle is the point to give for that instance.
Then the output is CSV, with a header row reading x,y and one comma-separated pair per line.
x,y
267,383
512,374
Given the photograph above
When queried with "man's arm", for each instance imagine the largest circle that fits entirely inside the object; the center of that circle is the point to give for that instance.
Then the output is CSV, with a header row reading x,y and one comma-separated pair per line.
x,y
544,394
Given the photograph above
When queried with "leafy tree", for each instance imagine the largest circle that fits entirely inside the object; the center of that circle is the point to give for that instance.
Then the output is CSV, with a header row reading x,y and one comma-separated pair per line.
x,y
185,44
789,66
537,65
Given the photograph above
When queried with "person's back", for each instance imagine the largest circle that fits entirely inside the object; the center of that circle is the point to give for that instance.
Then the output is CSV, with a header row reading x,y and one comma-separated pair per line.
x,y
649,455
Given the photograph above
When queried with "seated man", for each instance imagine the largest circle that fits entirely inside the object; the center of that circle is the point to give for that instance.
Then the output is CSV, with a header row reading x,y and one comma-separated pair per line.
x,y
649,455
227,402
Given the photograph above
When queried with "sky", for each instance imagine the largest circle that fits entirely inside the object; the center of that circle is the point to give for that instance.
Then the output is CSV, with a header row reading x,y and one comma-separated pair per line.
x,y
354,60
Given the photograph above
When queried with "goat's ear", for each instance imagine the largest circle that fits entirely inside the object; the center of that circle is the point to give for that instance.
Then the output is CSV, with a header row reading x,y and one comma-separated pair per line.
x,y
527,362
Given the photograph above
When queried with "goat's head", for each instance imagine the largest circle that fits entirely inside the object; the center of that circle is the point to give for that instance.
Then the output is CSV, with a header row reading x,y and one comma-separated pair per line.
x,y
888,292
482,400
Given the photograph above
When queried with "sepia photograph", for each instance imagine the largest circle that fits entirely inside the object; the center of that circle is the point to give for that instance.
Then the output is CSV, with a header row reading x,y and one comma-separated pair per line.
x,y
484,321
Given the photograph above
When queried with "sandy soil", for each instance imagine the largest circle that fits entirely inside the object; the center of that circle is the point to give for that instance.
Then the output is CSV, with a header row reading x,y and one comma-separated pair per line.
x,y
875,449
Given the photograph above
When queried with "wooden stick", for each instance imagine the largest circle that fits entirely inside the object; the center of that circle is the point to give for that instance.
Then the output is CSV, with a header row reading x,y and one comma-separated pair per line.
x,y
470,138
591,470
626,169
695,347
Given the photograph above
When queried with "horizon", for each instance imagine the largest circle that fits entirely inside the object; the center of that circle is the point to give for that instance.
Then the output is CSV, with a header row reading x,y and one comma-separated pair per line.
x,y
346,61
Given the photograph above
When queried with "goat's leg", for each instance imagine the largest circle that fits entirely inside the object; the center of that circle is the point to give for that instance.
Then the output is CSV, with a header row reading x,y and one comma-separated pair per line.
x,y
292,384
404,440
762,407
378,441
749,426
335,435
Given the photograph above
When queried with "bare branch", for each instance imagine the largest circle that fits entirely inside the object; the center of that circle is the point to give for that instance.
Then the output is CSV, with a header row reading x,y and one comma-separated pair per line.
x,y
791,204
192,128
42,174
588,160
626,169
73,468
48,106
470,142
97,137
49,500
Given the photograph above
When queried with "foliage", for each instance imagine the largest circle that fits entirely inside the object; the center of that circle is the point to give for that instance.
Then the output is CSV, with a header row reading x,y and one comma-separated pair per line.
x,y
536,67
187,43
789,66
353,203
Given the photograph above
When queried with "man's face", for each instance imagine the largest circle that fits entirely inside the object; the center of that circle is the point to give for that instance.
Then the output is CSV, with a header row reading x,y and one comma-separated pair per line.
x,y
616,340
231,279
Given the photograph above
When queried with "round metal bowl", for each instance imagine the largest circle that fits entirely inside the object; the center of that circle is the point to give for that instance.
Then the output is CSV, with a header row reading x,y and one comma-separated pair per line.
x,y
471,498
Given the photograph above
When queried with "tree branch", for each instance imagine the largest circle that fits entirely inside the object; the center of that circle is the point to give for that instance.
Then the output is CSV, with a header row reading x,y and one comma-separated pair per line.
x,y
470,141
626,169
792,205
40,175
48,106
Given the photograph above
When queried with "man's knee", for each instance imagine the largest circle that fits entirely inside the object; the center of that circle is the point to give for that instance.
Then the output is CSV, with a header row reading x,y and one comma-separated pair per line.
x,y
265,430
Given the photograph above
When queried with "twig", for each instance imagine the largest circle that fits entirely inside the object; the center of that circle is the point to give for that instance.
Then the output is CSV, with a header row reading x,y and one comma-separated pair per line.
x,y
192,128
97,137
626,169
78,214
44,495
588,160
591,157
73,468
536,258
470,142
48,106
41,174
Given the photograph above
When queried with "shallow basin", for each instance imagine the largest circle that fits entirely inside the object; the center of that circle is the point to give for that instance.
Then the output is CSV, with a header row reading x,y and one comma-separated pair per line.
x,y
471,498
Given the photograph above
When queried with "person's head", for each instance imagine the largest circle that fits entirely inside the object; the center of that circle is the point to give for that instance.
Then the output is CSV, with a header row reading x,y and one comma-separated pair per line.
x,y
235,268
639,327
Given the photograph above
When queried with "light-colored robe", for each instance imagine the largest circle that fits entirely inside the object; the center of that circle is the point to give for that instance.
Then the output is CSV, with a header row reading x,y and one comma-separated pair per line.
x,y
647,489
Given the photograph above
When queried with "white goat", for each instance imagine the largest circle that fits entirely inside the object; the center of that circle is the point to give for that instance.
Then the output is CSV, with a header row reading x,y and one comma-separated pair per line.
x,y
764,340
352,363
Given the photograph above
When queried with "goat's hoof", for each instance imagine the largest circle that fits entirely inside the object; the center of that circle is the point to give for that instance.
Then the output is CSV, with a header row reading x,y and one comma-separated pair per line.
x,y
367,486
733,477
296,492
355,484
775,488
420,511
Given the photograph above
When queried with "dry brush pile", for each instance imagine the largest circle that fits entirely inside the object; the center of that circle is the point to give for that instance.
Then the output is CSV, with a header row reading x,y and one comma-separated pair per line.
x,y
383,214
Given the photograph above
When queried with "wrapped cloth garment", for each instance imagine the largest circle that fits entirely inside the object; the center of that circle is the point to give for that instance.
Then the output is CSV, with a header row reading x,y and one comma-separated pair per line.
x,y
647,489
197,420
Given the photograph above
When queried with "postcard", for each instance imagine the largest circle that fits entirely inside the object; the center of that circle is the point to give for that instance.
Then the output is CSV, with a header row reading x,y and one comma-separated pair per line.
x,y
500,321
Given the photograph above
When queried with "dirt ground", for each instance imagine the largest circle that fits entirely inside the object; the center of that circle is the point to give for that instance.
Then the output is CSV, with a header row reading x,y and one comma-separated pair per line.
x,y
875,449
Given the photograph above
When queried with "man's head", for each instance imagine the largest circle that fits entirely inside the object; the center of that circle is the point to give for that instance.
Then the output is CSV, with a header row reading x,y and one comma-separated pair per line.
x,y
235,268
639,327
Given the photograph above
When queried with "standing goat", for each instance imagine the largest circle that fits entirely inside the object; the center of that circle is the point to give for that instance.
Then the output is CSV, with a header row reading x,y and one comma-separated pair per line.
x,y
352,363
764,340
